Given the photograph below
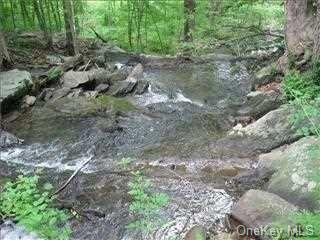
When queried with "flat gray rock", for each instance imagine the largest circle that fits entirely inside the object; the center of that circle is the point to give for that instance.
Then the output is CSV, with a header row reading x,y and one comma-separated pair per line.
x,y
15,84
256,209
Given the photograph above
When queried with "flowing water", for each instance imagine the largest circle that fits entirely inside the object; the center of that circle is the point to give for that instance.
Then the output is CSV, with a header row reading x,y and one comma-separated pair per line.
x,y
168,133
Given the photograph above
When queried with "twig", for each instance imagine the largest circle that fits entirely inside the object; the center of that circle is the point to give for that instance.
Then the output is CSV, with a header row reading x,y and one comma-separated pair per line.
x,y
85,68
71,177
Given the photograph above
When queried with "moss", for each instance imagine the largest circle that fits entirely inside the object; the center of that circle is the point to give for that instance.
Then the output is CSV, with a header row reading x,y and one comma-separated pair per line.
x,y
113,103
54,74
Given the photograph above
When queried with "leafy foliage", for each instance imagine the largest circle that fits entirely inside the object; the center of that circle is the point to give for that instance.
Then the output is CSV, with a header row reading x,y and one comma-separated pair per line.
x,y
145,205
146,25
305,227
23,201
305,86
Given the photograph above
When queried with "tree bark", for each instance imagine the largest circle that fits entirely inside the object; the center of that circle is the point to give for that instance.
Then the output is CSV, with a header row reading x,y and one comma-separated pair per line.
x,y
299,25
70,27
189,22
316,43
5,59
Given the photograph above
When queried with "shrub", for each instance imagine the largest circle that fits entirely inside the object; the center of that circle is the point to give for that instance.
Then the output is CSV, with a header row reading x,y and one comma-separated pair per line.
x,y
23,201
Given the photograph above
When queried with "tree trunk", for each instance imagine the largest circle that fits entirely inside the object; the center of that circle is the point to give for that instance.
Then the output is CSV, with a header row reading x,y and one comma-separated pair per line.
x,y
70,27
316,43
189,22
5,59
299,25
42,22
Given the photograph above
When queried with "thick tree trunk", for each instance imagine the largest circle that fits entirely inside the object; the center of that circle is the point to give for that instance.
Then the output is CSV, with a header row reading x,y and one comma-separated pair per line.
x,y
70,27
316,42
299,25
5,59
189,22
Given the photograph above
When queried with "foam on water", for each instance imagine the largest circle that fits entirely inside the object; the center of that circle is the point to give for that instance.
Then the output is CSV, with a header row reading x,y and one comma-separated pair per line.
x,y
44,156
11,231
151,97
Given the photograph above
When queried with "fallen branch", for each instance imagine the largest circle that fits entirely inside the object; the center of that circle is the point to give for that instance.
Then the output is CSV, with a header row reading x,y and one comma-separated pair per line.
x,y
71,177
98,35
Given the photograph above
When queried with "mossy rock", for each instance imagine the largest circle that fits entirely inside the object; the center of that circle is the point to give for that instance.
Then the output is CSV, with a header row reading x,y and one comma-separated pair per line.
x,y
83,106
113,103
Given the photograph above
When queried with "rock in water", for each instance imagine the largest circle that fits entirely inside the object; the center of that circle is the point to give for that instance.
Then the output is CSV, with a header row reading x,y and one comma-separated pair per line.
x,y
136,74
15,85
142,87
257,209
8,140
29,100
259,103
296,165
123,88
196,233
72,79
102,88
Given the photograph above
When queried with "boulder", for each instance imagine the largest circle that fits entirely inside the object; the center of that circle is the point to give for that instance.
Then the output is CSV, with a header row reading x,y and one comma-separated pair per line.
x,y
29,100
15,85
101,76
196,233
46,94
123,88
8,140
259,103
120,74
72,79
265,75
102,88
272,130
136,74
53,60
142,87
72,62
296,167
60,93
257,210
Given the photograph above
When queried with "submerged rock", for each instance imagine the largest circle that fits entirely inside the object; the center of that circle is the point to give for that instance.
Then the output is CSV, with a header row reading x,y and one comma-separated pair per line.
x,y
8,140
258,209
15,85
296,167
196,233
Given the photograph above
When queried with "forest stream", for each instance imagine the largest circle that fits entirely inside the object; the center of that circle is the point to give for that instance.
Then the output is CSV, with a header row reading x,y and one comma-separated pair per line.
x,y
168,133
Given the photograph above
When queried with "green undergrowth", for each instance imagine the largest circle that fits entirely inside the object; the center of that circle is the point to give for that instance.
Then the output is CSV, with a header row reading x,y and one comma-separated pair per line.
x,y
145,203
31,205
303,93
